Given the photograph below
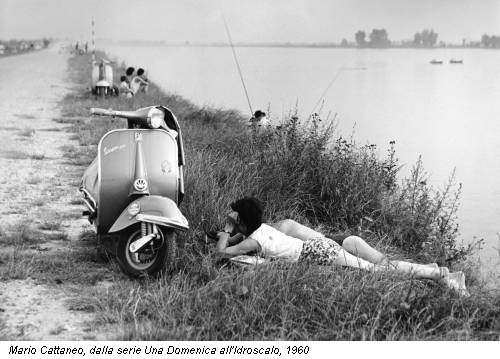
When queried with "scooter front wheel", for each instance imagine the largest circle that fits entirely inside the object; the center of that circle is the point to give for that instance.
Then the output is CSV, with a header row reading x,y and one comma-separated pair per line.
x,y
151,259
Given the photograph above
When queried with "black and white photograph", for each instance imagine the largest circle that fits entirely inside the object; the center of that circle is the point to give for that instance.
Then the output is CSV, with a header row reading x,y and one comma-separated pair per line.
x,y
248,178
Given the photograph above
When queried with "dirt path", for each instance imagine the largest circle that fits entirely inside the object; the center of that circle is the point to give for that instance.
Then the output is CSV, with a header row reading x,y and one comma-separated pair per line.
x,y
39,209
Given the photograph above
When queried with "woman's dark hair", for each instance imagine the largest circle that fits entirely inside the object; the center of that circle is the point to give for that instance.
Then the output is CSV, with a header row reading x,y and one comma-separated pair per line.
x,y
250,211
130,71
123,78
140,72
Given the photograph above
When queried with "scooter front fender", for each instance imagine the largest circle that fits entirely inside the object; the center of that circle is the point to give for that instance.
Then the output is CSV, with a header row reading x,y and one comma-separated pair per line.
x,y
152,209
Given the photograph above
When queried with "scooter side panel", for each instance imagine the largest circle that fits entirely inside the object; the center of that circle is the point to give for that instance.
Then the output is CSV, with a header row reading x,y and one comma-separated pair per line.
x,y
117,156
108,74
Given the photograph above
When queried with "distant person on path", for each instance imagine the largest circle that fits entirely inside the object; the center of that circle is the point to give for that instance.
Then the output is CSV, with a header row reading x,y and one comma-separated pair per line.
x,y
76,47
139,82
86,47
125,88
259,119
288,240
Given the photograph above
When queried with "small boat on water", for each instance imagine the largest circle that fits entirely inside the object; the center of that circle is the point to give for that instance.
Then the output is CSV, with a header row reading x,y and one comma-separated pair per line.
x,y
436,62
453,61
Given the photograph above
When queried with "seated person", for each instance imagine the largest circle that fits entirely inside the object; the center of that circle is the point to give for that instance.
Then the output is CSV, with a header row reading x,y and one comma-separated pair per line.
x,y
139,82
129,73
259,119
125,88
288,240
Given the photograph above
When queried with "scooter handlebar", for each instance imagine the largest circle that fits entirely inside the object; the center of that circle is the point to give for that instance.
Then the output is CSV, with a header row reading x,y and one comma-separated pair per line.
x,y
101,112
130,115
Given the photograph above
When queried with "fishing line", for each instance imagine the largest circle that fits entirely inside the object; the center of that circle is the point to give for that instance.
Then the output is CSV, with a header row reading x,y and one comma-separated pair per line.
x,y
237,64
337,74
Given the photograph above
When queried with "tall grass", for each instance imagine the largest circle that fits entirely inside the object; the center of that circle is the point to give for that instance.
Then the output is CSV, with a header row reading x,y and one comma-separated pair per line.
x,y
294,302
308,173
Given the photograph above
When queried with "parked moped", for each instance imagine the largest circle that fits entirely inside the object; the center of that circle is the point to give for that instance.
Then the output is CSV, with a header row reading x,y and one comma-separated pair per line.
x,y
133,189
102,78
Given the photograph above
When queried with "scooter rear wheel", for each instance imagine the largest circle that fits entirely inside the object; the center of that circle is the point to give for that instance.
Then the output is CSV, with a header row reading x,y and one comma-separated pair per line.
x,y
150,260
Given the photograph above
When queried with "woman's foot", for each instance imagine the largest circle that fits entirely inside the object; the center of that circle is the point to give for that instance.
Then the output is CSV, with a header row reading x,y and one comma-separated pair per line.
x,y
455,281
459,278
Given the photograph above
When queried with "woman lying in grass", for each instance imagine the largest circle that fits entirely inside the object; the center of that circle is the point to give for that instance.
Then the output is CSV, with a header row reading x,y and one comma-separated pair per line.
x,y
245,233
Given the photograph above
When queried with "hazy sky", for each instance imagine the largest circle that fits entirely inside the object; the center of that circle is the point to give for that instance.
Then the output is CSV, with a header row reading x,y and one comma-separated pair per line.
x,y
249,20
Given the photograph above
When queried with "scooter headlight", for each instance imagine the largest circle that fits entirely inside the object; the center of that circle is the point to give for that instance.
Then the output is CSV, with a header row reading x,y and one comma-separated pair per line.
x,y
155,117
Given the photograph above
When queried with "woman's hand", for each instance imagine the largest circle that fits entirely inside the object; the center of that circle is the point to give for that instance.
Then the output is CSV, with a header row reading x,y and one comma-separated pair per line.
x,y
232,222
228,228
222,242
224,233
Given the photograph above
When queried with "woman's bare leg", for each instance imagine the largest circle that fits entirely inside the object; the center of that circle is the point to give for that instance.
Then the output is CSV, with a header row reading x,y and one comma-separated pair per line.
x,y
357,246
419,270
345,258
357,253
296,230
352,244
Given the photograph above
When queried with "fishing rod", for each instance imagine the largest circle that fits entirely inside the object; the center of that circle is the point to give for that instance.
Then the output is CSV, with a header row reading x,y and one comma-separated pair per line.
x,y
337,74
237,64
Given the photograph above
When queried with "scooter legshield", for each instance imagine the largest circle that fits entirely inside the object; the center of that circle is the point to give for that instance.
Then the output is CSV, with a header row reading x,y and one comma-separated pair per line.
x,y
117,156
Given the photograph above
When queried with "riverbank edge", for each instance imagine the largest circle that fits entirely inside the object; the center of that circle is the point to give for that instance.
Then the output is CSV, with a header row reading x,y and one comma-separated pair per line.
x,y
77,104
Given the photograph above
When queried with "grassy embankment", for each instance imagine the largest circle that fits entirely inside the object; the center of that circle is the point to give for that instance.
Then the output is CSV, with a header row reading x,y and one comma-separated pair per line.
x,y
300,173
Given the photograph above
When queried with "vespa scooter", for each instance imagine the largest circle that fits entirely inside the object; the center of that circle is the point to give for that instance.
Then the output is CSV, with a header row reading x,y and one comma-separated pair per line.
x,y
102,78
134,187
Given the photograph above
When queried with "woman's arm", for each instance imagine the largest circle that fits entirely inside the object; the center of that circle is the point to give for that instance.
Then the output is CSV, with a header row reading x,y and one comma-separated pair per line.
x,y
246,246
237,238
229,228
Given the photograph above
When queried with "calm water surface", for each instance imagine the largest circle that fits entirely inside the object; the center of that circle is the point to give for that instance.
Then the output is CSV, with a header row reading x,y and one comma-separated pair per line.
x,y
449,114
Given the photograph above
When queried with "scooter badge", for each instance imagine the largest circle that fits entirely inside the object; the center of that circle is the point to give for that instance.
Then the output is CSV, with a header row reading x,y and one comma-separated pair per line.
x,y
140,184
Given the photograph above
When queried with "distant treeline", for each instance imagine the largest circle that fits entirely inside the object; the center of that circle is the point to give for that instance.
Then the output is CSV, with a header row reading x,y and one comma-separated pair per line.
x,y
427,38
492,41
379,38
9,47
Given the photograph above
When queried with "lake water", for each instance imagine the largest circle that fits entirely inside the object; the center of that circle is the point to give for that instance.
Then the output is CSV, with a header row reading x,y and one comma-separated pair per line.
x,y
449,114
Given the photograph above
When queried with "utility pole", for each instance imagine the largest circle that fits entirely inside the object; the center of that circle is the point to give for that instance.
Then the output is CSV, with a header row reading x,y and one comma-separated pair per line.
x,y
93,39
